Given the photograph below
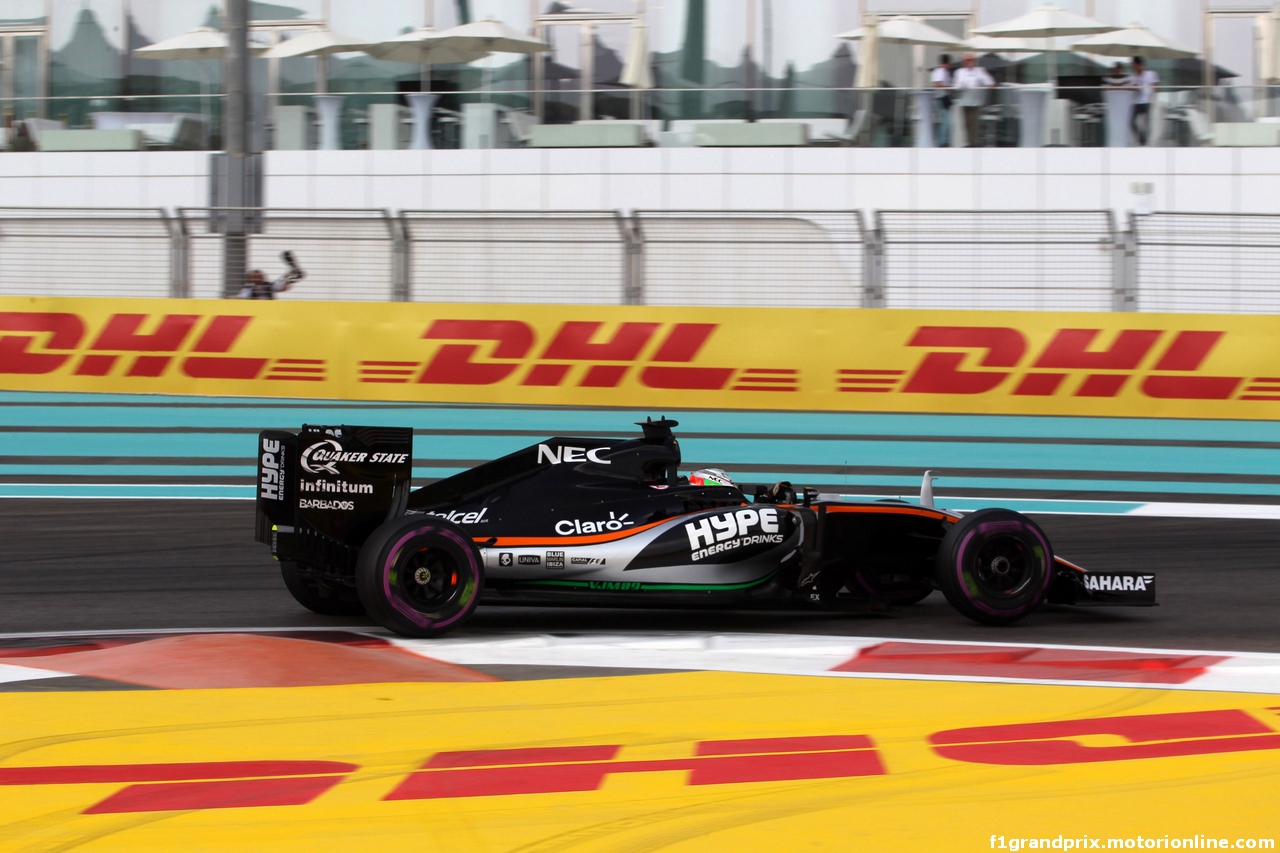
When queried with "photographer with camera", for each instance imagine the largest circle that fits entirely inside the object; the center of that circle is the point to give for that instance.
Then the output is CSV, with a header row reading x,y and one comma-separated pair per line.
x,y
257,286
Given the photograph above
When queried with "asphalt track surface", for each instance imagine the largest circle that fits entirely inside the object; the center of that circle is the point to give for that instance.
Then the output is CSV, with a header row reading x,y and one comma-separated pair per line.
x,y
105,565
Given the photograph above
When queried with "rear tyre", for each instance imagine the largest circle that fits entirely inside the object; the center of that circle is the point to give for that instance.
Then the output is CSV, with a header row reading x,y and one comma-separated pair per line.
x,y
320,596
994,566
419,576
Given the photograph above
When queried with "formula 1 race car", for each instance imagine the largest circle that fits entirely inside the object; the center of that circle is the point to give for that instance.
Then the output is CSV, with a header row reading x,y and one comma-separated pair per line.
x,y
611,522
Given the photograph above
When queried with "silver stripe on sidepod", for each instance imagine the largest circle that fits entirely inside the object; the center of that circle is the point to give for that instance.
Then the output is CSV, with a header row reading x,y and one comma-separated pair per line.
x,y
617,555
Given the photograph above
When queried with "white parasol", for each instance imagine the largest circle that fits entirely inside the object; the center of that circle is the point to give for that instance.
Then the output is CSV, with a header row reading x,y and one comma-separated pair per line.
x,y
423,47
491,36
904,29
1046,22
1134,40
317,43
996,44
869,54
636,71
198,44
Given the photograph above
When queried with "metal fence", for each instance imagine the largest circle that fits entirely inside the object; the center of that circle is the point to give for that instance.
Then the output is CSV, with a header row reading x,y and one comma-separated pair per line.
x,y
1015,259
86,252
1188,260
348,254
1027,260
760,258
557,257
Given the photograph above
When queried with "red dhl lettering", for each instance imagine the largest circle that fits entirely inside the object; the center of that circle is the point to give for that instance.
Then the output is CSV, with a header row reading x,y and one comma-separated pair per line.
x,y
565,769
544,770
138,345
486,352
1146,736
982,359
481,773
958,360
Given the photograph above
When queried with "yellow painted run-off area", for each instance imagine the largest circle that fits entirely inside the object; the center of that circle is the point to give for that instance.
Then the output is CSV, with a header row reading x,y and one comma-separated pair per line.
x,y
648,762
1023,363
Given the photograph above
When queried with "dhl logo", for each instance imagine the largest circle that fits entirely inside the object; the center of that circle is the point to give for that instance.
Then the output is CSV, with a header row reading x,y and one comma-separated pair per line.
x,y
138,345
1159,364
982,359
566,769
660,355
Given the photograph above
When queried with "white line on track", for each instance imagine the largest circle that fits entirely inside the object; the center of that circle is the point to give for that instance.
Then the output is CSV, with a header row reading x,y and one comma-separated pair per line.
x,y
776,654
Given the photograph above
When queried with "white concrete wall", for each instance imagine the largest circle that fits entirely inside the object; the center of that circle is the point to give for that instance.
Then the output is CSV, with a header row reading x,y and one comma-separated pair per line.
x,y
1244,180
105,179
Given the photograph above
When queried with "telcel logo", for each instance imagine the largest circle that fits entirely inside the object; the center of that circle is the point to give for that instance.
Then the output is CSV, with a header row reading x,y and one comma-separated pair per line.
x,y
565,453
458,516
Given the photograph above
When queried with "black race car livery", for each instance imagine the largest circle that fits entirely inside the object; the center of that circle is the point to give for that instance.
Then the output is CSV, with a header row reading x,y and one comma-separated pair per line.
x,y
610,521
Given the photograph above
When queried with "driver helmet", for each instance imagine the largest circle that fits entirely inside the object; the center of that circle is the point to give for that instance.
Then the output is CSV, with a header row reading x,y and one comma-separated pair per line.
x,y
710,477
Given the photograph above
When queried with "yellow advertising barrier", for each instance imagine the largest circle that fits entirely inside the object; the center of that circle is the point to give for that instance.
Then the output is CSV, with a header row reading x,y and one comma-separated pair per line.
x,y
674,762
1028,363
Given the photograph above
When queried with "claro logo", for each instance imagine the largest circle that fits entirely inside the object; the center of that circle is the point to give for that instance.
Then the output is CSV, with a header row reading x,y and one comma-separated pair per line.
x,y
1160,364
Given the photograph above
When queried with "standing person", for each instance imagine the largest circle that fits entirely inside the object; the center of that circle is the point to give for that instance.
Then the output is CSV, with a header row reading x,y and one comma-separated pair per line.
x,y
1145,81
940,79
1118,78
256,285
971,80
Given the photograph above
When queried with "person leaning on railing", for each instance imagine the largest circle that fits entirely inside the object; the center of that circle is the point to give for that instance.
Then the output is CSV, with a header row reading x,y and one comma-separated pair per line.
x,y
940,79
1118,78
256,285
20,138
1145,81
971,81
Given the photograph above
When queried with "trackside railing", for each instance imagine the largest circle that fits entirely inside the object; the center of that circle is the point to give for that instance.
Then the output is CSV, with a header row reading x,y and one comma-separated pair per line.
x,y
1000,259
991,259
501,256
1206,262
348,255
88,252
751,257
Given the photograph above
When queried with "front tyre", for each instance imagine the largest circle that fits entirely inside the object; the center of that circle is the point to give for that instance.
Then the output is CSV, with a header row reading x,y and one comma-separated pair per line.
x,y
994,566
419,576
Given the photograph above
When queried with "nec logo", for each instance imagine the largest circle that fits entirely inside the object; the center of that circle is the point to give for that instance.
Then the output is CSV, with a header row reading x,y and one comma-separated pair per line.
x,y
981,359
486,352
138,345
564,453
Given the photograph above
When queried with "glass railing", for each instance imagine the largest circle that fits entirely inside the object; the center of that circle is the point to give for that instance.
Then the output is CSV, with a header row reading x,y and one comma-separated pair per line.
x,y
1005,116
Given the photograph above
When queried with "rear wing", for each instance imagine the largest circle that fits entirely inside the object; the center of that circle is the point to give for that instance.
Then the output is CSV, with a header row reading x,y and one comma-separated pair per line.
x,y
339,481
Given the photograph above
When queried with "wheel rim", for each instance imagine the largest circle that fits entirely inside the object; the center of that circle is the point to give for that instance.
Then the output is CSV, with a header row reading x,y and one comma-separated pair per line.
x,y
1004,567
428,579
